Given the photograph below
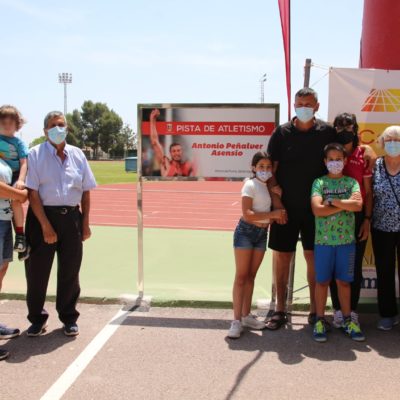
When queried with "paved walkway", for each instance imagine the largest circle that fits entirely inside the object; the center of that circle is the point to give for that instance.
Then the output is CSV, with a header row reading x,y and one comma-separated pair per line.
x,y
169,353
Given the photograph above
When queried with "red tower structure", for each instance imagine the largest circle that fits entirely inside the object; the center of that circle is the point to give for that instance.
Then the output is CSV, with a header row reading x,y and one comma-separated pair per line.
x,y
380,39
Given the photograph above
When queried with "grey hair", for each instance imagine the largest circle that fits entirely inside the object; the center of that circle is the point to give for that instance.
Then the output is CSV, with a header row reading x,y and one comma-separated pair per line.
x,y
51,115
390,132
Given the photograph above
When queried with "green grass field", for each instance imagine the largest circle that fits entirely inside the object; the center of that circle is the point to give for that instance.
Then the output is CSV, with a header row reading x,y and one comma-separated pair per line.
x,y
107,172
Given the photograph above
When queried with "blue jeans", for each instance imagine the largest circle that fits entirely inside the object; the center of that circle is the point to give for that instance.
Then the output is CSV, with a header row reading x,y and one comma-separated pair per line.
x,y
249,236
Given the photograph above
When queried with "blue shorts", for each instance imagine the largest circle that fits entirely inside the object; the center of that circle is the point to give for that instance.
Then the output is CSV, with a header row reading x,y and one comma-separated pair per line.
x,y
249,236
6,242
334,262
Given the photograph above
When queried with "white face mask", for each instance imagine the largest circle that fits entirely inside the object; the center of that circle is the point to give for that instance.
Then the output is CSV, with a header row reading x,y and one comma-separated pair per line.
x,y
263,176
335,167
57,134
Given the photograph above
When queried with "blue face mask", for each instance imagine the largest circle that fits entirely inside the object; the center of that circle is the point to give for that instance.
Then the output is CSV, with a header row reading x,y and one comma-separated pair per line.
x,y
57,134
263,176
392,148
304,114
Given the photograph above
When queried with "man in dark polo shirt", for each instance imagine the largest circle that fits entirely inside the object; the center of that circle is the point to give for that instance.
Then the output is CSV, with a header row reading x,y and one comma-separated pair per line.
x,y
297,151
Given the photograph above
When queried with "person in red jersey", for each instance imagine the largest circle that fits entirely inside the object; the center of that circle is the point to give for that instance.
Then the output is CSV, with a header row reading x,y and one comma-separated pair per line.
x,y
173,166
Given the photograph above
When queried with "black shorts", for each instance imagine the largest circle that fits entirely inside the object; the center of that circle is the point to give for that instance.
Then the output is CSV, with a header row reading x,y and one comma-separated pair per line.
x,y
15,176
284,237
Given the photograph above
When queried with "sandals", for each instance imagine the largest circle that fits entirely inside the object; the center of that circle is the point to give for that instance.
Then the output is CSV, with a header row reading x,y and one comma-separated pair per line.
x,y
278,319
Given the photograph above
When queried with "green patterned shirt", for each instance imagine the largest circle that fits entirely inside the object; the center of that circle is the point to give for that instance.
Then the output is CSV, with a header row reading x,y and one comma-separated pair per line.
x,y
336,229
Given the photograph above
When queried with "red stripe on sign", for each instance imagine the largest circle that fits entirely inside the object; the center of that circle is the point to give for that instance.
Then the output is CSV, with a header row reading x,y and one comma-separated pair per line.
x,y
211,128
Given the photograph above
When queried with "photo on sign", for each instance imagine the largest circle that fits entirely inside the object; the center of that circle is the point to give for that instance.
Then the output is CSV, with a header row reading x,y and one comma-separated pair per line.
x,y
209,141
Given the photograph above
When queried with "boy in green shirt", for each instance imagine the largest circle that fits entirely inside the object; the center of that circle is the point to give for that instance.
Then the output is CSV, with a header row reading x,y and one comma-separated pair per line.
x,y
334,199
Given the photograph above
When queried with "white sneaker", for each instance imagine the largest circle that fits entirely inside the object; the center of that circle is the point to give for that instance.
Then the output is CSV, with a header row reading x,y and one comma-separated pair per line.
x,y
235,329
354,317
337,319
252,322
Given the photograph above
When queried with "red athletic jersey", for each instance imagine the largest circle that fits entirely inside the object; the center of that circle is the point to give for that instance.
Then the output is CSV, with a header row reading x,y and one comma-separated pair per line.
x,y
356,168
174,168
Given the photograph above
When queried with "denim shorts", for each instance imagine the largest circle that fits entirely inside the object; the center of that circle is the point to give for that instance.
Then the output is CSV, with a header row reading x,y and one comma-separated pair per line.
x,y
334,262
6,242
249,236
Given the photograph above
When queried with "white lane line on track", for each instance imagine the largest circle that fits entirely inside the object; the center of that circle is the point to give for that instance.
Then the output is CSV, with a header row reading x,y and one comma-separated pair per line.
x,y
194,214
161,191
69,376
156,226
155,216
98,189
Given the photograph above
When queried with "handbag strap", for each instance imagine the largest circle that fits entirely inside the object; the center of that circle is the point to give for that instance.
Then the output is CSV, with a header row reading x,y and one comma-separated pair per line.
x,y
390,182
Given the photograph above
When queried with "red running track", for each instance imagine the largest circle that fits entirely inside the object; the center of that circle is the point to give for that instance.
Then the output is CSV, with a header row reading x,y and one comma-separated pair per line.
x,y
179,205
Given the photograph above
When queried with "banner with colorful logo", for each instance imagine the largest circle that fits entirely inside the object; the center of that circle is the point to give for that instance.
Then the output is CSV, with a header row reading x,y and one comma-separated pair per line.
x,y
209,141
374,97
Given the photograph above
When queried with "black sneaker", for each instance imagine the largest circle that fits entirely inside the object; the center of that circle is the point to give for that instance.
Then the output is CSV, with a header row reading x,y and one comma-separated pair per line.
x,y
71,329
8,333
22,256
20,243
312,319
3,354
37,329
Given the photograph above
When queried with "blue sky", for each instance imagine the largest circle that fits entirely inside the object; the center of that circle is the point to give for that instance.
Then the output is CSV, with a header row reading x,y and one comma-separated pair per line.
x,y
125,52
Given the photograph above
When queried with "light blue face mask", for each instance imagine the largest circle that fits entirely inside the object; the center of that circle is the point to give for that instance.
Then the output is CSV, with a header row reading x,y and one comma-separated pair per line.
x,y
263,176
57,134
304,114
392,148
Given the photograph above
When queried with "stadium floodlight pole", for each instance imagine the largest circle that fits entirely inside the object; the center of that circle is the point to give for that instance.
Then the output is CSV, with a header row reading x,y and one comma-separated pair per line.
x,y
65,78
263,79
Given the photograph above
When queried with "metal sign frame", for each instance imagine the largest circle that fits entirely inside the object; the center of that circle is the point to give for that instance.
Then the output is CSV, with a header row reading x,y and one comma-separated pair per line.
x,y
142,179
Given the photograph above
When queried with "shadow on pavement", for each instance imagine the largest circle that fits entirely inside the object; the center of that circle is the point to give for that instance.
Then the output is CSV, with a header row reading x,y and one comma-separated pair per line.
x,y
24,347
292,344
242,374
186,323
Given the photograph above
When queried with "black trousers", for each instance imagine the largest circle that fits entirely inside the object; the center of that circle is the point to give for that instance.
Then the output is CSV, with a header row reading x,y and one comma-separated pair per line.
x,y
355,286
38,266
386,247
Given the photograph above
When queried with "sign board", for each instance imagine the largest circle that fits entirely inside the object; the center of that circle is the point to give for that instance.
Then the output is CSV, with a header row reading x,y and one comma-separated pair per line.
x,y
203,140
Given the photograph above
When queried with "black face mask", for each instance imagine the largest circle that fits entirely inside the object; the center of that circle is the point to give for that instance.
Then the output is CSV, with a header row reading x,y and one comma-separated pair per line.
x,y
345,137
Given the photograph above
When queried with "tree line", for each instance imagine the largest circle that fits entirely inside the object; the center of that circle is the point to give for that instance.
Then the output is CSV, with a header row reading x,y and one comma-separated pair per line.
x,y
96,127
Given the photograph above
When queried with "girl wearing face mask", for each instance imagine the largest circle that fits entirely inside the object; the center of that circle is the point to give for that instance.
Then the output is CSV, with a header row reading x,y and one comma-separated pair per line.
x,y
334,200
356,168
386,225
250,241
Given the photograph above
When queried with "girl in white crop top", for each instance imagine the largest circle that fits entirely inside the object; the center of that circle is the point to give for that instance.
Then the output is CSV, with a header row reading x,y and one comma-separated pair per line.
x,y
250,241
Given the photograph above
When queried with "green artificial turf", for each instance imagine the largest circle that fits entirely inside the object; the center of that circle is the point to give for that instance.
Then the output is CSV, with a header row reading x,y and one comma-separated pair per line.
x,y
179,265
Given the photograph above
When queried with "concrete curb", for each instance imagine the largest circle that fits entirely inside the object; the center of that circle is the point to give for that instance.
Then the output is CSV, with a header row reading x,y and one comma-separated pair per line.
x,y
154,302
